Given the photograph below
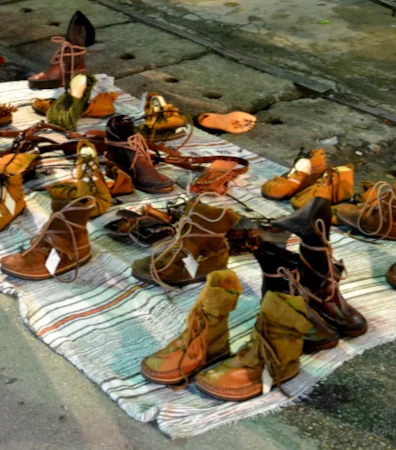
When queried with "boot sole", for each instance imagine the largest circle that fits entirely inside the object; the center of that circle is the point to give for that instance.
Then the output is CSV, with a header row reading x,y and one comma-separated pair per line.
x,y
236,398
180,283
312,348
178,380
23,276
153,190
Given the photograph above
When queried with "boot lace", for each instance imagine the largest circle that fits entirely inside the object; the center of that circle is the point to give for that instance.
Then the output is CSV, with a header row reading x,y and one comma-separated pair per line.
x,y
176,245
332,277
66,50
383,199
44,237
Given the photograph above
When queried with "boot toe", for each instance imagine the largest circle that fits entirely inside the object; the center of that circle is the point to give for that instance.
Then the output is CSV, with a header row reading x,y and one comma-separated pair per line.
x,y
391,276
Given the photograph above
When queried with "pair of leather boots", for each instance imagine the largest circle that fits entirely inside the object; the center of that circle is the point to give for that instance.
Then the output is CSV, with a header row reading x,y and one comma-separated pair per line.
x,y
310,177
295,315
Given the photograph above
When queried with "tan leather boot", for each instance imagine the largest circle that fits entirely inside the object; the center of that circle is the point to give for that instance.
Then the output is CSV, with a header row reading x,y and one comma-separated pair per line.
x,y
205,338
198,248
64,239
307,169
90,181
272,353
336,184
374,218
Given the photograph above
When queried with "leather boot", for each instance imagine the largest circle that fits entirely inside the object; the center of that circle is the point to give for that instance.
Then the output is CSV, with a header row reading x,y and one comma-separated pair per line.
x,y
70,58
198,248
391,276
63,241
205,338
336,183
374,218
90,182
307,168
128,151
320,273
281,274
272,353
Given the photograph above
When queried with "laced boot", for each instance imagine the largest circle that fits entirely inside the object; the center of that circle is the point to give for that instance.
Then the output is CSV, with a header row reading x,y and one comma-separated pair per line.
x,y
90,182
198,248
336,183
320,272
376,217
306,170
281,274
160,115
70,58
272,354
129,152
205,338
61,246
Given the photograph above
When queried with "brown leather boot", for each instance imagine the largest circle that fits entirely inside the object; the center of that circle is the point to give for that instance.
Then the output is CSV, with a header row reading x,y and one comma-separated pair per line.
x,y
128,151
281,274
63,245
70,58
198,248
320,273
272,354
391,276
374,218
205,338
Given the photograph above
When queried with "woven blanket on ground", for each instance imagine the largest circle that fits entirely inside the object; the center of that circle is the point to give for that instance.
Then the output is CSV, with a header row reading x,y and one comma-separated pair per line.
x,y
106,322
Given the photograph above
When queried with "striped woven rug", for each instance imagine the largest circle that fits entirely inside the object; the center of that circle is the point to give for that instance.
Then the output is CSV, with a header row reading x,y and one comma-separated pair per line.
x,y
106,322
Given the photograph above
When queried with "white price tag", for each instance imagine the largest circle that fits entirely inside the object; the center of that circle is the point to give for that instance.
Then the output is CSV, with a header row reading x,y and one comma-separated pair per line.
x,y
52,262
9,202
191,265
267,380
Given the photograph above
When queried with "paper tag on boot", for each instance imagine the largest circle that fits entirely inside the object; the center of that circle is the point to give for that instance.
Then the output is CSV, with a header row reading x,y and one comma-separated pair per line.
x,y
52,262
9,203
267,380
191,265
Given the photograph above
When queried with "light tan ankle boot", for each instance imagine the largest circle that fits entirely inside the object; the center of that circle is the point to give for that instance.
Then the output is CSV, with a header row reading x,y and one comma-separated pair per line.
x,y
205,338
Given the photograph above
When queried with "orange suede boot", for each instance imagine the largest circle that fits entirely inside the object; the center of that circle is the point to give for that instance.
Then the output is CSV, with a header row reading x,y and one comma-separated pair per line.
x,y
307,169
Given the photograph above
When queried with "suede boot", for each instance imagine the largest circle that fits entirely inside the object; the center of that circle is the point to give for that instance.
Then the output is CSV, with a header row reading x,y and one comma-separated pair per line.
x,y
281,274
70,59
307,168
205,338
90,181
320,273
198,248
128,151
64,236
272,353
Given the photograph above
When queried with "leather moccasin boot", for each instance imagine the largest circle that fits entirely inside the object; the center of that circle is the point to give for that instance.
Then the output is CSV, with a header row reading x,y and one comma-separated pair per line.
x,y
6,113
374,218
272,353
129,152
205,338
160,115
198,248
391,276
307,169
70,58
281,274
336,184
12,201
64,239
90,182
320,272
